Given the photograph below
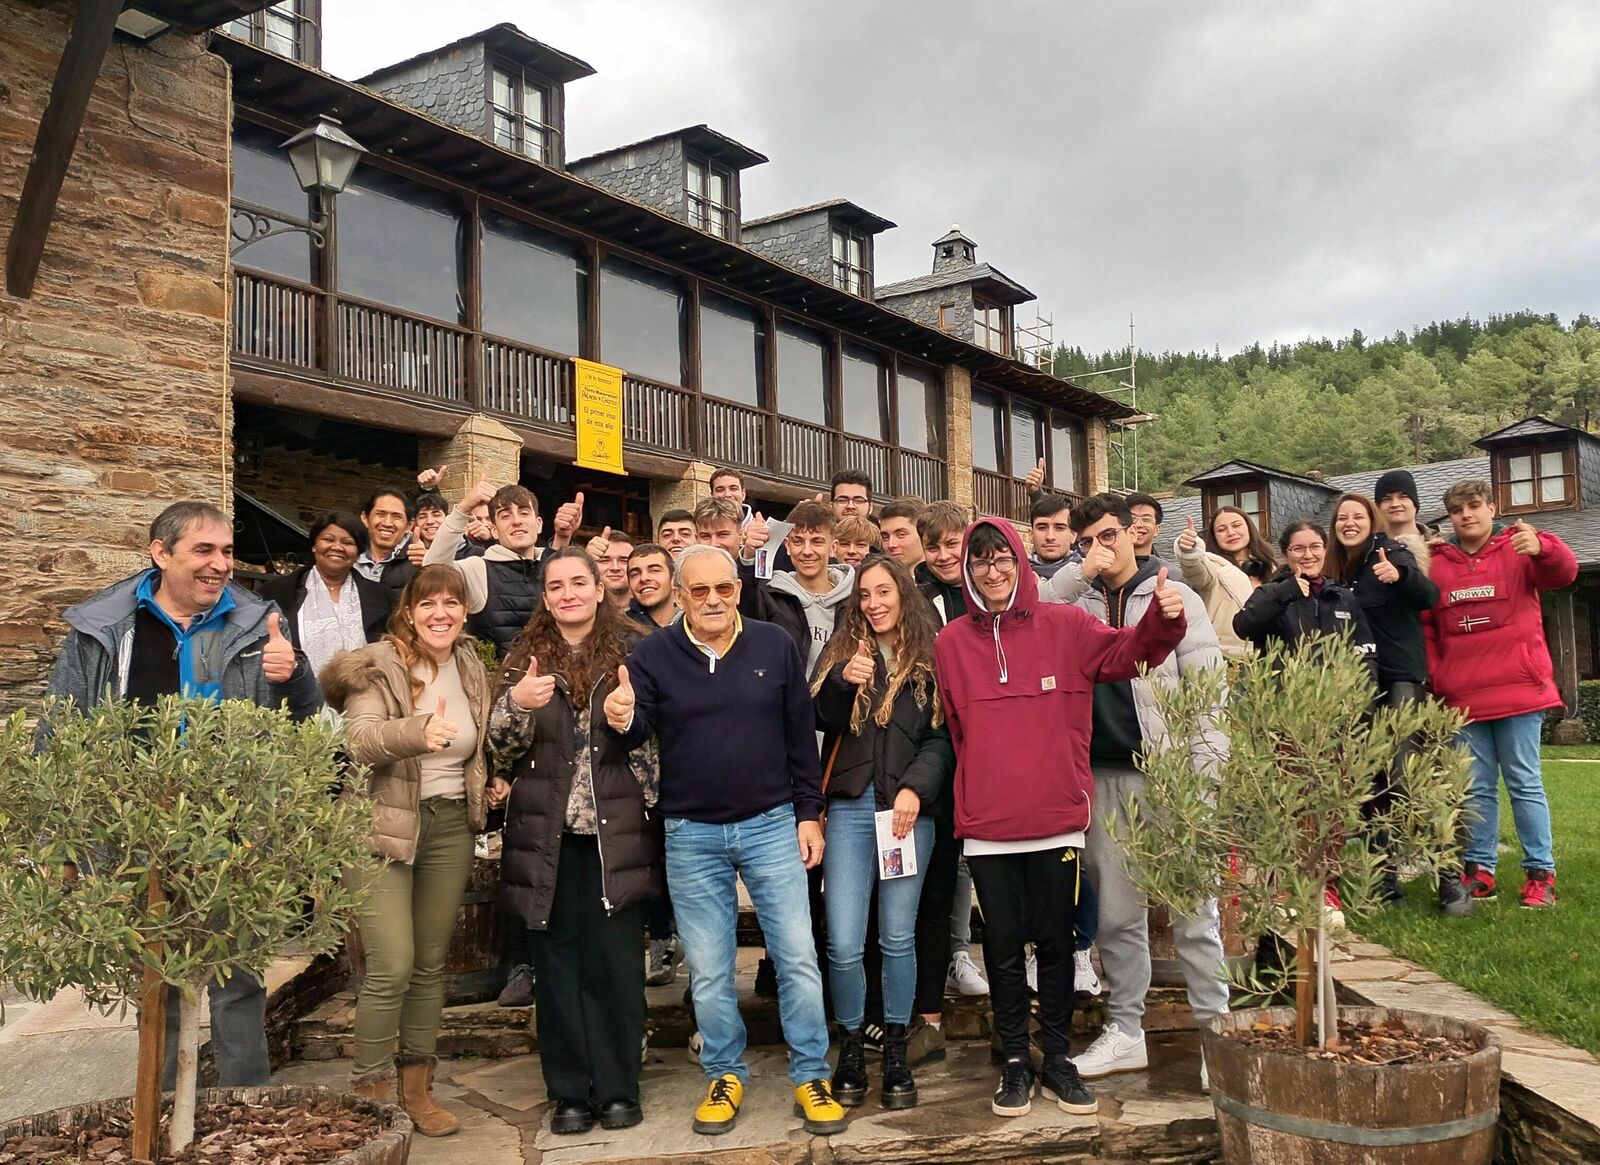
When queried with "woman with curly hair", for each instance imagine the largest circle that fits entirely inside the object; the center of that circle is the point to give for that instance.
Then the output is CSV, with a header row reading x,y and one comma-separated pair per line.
x,y
887,749
581,850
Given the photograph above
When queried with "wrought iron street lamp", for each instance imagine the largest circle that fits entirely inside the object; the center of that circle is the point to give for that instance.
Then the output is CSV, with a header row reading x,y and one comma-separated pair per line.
x,y
323,157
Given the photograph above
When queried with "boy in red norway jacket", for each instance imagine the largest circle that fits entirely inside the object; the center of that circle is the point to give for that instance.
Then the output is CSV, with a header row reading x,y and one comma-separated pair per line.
x,y
1015,673
1487,656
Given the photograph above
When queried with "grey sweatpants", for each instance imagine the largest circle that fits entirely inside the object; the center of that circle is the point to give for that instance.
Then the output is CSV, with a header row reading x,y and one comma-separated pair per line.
x,y
1124,933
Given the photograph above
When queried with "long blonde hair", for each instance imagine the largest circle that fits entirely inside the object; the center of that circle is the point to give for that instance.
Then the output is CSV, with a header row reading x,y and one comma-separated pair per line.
x,y
913,654
438,579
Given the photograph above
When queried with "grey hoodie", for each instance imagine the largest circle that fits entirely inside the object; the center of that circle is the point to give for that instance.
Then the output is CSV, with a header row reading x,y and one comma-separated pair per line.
x,y
821,611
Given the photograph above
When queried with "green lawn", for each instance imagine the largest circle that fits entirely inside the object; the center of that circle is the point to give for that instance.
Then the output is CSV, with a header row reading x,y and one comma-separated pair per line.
x,y
1541,965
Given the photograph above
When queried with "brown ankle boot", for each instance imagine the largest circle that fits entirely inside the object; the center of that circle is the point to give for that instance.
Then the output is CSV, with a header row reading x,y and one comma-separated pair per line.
x,y
416,1097
377,1086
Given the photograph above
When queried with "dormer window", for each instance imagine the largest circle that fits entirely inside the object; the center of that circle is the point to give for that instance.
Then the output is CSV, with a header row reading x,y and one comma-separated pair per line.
x,y
852,262
1539,478
287,29
521,114
1249,496
710,191
991,327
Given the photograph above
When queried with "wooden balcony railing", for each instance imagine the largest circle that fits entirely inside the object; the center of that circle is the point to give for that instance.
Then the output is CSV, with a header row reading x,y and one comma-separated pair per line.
x,y
285,324
999,496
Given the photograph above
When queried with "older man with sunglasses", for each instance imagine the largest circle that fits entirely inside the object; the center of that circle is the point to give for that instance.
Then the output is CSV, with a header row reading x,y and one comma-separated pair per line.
x,y
741,794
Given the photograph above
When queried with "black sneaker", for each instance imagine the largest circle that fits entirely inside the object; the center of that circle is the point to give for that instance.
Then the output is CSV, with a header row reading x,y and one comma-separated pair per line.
x,y
518,991
872,1037
1455,900
1014,1097
767,979
1059,1078
1389,891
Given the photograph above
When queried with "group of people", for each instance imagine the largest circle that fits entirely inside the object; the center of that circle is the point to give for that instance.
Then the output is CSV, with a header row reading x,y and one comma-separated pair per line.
x,y
668,718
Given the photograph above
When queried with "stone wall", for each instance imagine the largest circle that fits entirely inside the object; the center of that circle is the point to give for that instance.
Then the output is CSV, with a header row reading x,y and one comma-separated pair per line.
x,y
302,485
803,241
653,174
923,306
115,371
958,433
450,87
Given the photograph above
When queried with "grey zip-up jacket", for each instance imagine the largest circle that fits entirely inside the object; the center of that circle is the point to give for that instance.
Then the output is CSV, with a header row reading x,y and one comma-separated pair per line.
x,y
99,647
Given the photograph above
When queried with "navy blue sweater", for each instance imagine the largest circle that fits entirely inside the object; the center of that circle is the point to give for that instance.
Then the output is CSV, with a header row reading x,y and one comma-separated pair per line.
x,y
737,735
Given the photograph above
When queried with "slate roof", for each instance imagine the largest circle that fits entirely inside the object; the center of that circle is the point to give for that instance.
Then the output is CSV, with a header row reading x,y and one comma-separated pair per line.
x,y
841,208
1579,529
1238,467
719,147
1433,479
505,40
1530,427
977,273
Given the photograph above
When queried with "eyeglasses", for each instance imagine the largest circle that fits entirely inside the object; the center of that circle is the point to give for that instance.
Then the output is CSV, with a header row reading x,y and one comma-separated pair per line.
x,y
1106,538
847,500
702,591
1000,564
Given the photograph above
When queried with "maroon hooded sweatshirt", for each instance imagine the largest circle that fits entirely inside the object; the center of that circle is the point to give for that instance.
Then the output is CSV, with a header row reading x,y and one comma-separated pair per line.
x,y
1018,692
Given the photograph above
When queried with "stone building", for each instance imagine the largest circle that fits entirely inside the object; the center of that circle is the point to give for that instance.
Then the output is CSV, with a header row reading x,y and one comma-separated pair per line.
x,y
184,320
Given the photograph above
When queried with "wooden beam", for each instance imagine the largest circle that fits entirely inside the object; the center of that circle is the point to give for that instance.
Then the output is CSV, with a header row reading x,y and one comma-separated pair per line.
x,y
81,60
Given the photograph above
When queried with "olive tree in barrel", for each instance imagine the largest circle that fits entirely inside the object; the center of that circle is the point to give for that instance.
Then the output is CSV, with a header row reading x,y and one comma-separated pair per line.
x,y
146,851
1286,813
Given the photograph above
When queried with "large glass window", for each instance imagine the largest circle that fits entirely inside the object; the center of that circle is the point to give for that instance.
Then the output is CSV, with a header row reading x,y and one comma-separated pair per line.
x,y
263,177
991,327
642,314
1247,496
1066,457
710,191
280,29
865,381
852,268
519,114
1535,479
802,373
731,349
921,409
535,285
988,432
1027,438
400,244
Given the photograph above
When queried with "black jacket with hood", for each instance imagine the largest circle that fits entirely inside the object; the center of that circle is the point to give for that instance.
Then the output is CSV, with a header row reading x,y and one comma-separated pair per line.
x,y
1277,610
907,753
1394,611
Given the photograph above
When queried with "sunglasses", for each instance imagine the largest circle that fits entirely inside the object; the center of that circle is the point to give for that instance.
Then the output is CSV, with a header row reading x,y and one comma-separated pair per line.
x,y
700,592
1106,538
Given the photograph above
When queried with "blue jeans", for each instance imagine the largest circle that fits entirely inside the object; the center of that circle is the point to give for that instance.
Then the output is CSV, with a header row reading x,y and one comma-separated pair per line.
x,y
702,863
850,872
1508,747
238,1033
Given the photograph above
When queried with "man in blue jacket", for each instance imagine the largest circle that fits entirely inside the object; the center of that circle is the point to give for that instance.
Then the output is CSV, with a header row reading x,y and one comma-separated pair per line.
x,y
183,626
741,795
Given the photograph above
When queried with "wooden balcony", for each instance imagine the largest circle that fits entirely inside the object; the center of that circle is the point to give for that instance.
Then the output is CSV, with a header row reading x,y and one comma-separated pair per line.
x,y
996,495
293,329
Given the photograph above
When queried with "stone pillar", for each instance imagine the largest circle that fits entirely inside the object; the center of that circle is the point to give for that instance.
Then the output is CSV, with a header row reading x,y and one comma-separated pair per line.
x,y
483,449
681,493
115,369
1098,442
958,434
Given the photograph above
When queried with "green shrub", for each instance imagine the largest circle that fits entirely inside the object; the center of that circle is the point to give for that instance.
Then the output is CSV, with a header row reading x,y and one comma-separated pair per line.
x,y
1588,709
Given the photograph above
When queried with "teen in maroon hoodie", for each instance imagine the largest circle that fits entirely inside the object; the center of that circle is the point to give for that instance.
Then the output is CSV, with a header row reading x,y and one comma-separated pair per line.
x,y
1013,673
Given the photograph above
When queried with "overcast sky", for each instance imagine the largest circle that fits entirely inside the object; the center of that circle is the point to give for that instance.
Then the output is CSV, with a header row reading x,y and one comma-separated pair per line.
x,y
1226,172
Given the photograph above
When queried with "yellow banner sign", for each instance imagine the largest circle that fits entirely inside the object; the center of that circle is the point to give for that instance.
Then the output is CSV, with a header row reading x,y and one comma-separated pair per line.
x,y
597,388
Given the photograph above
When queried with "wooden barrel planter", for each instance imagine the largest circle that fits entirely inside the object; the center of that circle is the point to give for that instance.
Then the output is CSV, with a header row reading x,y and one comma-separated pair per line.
x,y
1283,1108
473,970
1238,948
392,1145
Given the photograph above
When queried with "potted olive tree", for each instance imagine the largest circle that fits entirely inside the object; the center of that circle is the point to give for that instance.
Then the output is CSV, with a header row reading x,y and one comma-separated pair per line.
x,y
144,851
1284,816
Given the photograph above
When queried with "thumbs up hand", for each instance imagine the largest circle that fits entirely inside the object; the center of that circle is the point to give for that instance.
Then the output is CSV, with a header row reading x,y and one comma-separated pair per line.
x,y
860,667
533,690
1170,600
1526,540
599,544
1188,539
430,478
619,704
1035,479
1383,570
756,532
440,729
278,659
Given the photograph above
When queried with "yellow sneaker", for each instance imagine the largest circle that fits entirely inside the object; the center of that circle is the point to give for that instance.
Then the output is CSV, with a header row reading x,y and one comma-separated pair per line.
x,y
720,1108
820,1113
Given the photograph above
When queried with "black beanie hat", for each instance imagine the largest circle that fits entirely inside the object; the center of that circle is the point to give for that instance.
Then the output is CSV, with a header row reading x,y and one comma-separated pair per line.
x,y
1397,481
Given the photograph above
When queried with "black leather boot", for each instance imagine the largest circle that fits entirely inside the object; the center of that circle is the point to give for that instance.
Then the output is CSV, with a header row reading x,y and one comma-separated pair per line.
x,y
899,1088
850,1077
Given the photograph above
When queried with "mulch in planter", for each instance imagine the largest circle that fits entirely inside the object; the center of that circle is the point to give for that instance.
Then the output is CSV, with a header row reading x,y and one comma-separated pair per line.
x,y
253,1134
1390,1042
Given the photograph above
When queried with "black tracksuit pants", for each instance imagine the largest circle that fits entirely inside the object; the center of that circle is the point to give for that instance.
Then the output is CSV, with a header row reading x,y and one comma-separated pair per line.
x,y
933,911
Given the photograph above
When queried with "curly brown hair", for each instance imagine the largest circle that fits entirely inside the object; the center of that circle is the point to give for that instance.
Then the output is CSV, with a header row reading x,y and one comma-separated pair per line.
x,y
441,578
605,649
913,651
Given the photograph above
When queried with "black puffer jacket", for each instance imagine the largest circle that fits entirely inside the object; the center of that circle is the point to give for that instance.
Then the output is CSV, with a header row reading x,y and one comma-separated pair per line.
x,y
1278,611
907,753
536,814
1394,611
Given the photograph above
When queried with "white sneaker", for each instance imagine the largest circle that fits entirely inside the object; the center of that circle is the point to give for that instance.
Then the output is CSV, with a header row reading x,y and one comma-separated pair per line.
x,y
697,1043
1083,977
1031,970
964,977
1115,1051
1205,1076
